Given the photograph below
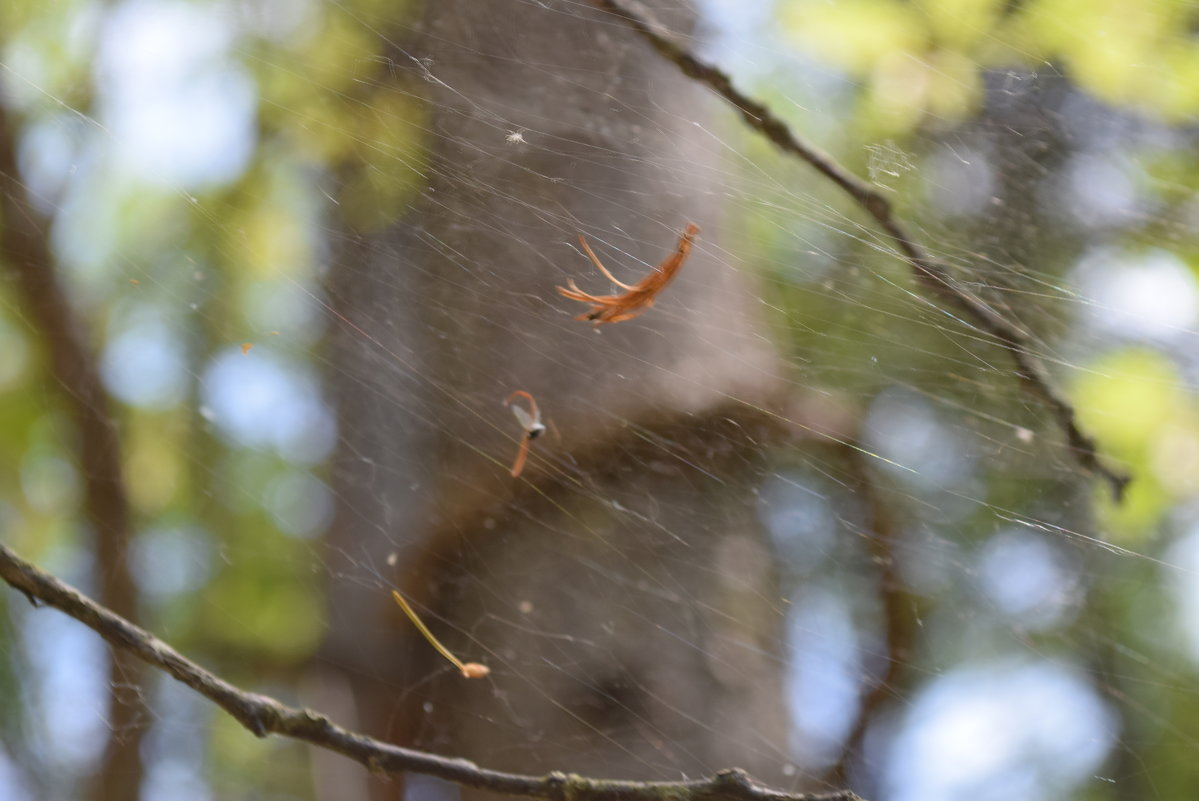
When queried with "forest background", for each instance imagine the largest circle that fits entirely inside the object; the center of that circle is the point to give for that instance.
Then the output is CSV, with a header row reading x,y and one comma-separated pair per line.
x,y
846,508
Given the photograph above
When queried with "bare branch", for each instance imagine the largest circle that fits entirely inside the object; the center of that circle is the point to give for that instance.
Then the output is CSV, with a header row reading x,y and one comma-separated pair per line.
x,y
931,273
263,715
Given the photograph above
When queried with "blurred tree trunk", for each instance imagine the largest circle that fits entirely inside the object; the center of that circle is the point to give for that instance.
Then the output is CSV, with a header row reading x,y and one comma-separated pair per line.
x,y
94,442
624,594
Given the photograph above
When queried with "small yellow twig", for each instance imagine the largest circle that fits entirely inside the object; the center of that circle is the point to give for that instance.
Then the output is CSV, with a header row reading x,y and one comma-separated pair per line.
x,y
471,670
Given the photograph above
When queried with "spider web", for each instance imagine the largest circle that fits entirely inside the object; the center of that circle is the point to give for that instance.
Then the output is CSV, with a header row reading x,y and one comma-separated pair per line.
x,y
797,517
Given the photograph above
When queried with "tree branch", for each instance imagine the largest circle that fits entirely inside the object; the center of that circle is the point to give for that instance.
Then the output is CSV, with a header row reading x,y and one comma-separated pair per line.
x,y
931,273
900,617
263,715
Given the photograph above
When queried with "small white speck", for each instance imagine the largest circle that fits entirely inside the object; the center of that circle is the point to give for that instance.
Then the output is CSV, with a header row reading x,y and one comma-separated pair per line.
x,y
515,137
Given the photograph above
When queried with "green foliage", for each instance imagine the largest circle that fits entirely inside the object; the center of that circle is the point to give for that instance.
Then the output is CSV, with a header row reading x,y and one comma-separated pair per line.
x,y
1137,54
923,61
1134,402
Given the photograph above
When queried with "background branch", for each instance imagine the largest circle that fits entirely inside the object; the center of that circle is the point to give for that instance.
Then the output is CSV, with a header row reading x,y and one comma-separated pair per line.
x,y
929,272
27,259
899,624
263,715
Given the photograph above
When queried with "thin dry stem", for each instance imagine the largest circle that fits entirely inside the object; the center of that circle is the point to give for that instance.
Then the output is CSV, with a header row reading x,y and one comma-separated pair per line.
x,y
471,670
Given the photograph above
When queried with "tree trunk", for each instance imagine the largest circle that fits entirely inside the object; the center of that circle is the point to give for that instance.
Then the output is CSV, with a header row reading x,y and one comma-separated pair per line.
x,y
621,591
31,267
